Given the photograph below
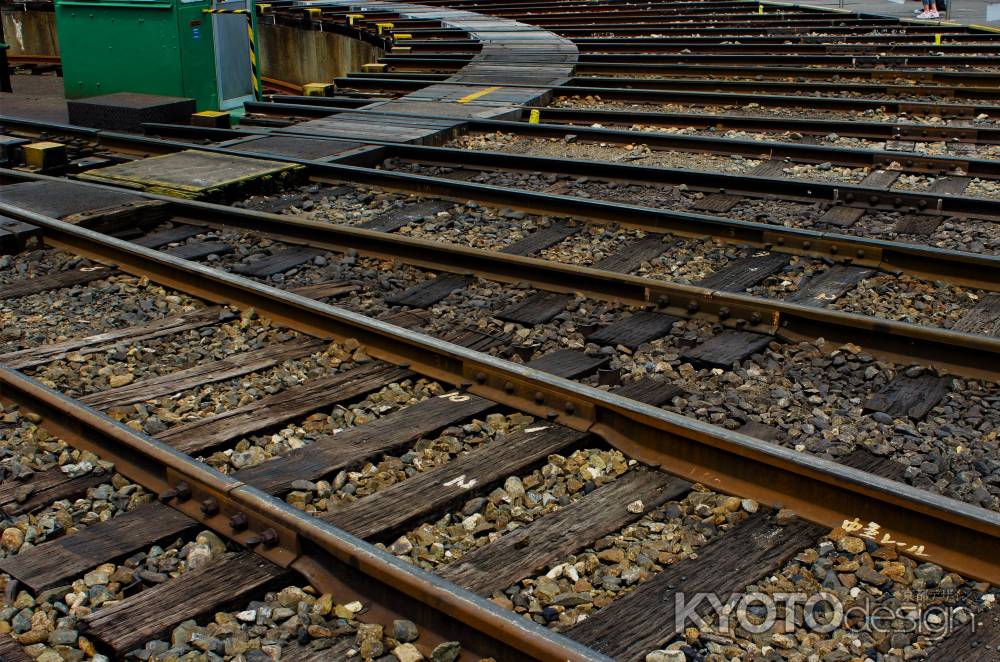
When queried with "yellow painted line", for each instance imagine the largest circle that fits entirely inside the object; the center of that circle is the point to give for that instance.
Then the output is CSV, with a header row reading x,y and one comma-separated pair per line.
x,y
988,28
481,93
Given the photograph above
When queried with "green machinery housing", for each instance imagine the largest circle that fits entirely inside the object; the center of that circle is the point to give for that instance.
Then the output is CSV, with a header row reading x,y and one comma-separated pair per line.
x,y
165,47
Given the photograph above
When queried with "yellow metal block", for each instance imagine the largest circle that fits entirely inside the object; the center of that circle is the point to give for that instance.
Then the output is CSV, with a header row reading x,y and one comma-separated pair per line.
x,y
534,117
382,27
400,49
314,11
374,66
45,155
318,89
211,118
263,9
354,17
402,35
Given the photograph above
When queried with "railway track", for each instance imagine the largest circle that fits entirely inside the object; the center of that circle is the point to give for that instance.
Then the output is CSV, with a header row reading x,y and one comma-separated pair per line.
x,y
487,388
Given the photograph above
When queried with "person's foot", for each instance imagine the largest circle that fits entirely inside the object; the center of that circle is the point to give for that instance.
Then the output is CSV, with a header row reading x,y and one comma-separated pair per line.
x,y
929,14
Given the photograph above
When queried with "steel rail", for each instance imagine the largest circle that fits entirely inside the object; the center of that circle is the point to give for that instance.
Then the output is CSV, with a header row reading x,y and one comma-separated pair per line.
x,y
904,343
945,110
331,560
968,92
872,130
967,269
765,59
955,535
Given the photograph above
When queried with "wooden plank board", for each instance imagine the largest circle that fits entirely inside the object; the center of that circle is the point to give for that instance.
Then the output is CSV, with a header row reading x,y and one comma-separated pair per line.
x,y
634,330
390,512
428,292
631,256
408,319
11,651
535,547
38,284
568,363
397,218
539,308
152,614
540,239
476,340
967,644
717,202
950,185
883,179
770,168
644,619
650,391
726,348
26,496
102,342
919,224
900,145
864,459
203,373
293,651
179,232
742,274
829,286
280,408
909,396
326,290
15,235
200,250
840,216
983,319
355,445
58,562
278,262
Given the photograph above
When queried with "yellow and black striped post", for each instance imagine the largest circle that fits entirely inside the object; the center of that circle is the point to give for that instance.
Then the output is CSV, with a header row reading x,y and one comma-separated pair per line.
x,y
254,75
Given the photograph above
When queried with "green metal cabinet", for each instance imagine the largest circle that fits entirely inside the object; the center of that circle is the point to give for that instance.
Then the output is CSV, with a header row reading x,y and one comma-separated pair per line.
x,y
165,47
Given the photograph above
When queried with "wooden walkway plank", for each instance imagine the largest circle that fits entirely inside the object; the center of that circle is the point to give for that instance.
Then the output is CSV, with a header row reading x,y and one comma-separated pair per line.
x,y
983,319
408,319
39,284
101,342
770,168
631,256
533,548
355,445
540,239
429,292
155,612
539,308
389,512
475,340
203,373
568,363
827,287
740,275
292,403
632,331
726,348
60,561
909,396
279,262
403,216
179,232
644,619
25,496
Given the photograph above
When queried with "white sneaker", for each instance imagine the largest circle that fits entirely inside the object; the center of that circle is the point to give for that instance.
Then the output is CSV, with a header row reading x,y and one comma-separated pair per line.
x,y
929,14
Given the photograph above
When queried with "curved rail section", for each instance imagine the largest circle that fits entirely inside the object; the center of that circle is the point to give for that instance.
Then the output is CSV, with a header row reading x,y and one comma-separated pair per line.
x,y
518,64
